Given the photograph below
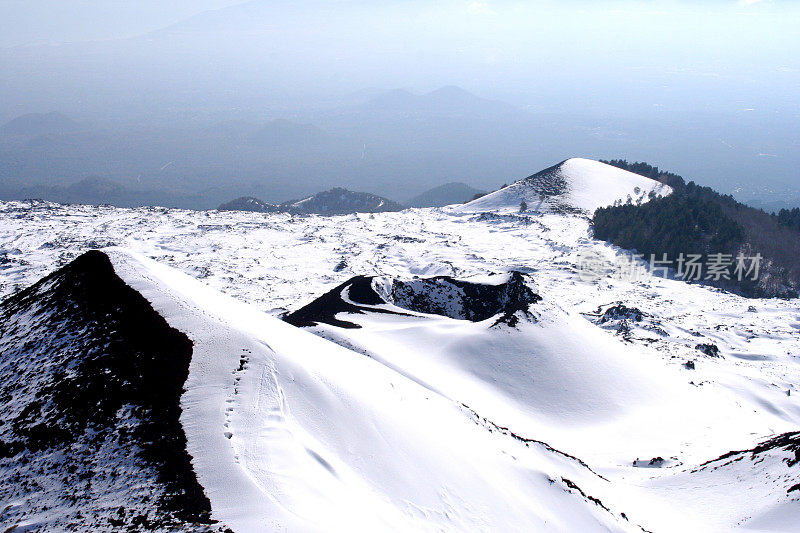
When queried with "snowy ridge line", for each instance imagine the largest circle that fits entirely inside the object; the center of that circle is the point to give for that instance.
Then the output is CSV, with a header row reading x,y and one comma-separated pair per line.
x,y
488,424
789,441
482,420
575,186
596,501
353,296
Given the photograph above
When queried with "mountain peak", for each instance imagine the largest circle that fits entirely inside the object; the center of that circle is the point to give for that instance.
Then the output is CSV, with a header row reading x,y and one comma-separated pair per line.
x,y
336,201
249,203
34,124
340,201
575,185
451,91
91,386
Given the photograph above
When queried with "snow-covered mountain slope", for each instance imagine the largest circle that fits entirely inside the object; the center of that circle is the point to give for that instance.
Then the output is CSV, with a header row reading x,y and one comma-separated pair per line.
x,y
90,386
580,374
573,186
599,370
550,373
755,489
290,431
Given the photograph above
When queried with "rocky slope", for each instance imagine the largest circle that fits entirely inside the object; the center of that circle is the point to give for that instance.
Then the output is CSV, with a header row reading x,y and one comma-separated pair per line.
x,y
90,437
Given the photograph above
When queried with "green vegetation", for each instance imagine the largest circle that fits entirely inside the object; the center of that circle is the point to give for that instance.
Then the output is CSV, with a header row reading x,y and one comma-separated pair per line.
x,y
649,171
699,220
679,223
790,218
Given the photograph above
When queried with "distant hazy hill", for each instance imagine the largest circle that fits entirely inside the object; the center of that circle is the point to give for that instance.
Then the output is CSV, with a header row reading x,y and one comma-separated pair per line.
x,y
447,194
96,191
248,203
34,124
336,201
773,206
340,201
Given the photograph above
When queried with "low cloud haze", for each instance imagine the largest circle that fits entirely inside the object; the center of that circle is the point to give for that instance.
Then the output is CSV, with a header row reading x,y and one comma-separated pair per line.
x,y
282,99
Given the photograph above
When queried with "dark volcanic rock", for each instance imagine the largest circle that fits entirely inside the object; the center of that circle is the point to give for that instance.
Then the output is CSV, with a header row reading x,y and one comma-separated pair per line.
x,y
90,435
711,350
621,312
786,444
629,323
548,182
349,297
441,295
464,300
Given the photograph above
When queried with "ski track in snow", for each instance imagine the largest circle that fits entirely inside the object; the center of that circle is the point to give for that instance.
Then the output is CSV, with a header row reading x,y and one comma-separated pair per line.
x,y
278,262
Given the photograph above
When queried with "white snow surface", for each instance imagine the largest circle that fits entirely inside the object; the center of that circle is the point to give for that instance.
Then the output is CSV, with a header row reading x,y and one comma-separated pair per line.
x,y
588,185
288,430
418,422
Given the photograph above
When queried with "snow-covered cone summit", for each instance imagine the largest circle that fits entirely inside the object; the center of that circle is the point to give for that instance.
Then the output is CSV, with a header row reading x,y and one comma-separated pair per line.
x,y
573,186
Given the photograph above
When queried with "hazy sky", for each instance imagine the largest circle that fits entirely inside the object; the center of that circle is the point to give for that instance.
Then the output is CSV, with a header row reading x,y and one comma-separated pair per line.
x,y
54,21
616,57
505,46
724,70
